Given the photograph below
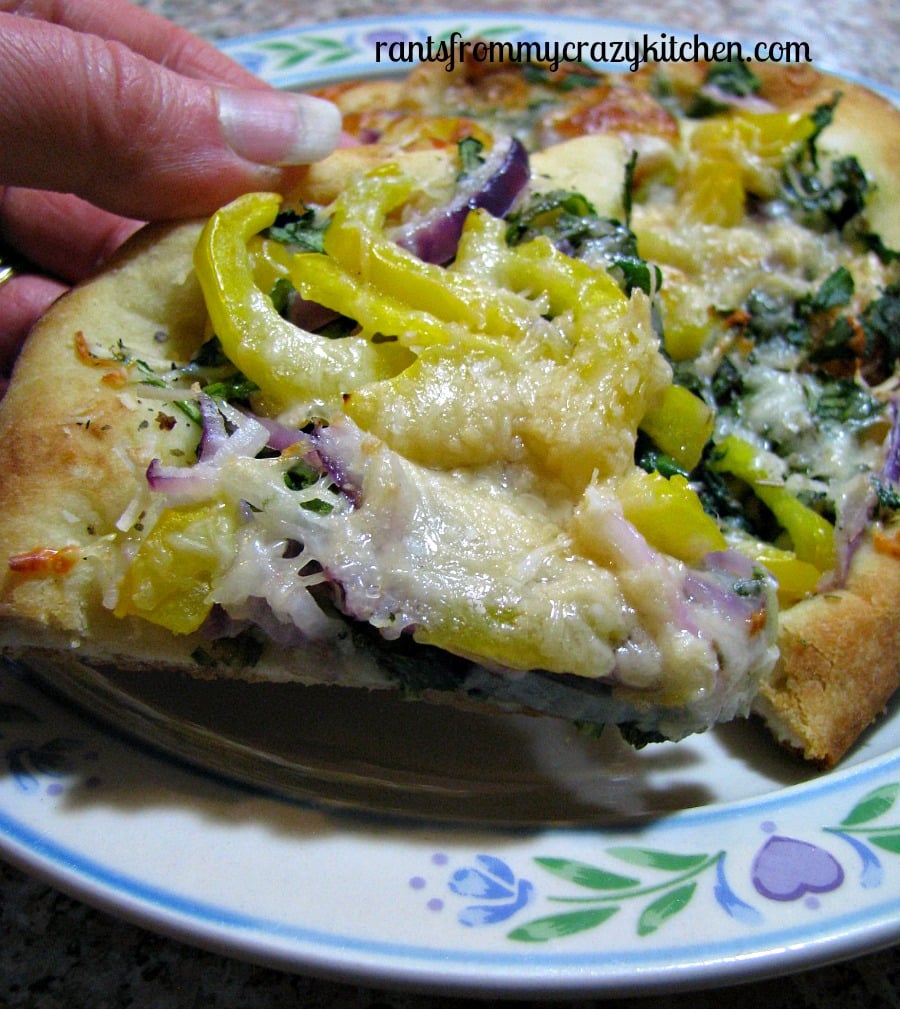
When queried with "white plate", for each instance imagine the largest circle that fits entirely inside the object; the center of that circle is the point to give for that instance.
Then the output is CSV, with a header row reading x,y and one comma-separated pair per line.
x,y
381,842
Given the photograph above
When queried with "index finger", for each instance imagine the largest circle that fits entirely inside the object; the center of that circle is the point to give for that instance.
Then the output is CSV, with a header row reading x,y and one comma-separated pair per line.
x,y
143,32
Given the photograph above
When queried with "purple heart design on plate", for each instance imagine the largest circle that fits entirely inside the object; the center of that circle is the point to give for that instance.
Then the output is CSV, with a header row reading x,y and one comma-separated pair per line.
x,y
788,869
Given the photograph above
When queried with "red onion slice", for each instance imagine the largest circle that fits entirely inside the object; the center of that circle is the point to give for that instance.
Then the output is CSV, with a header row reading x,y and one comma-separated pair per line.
x,y
890,472
493,187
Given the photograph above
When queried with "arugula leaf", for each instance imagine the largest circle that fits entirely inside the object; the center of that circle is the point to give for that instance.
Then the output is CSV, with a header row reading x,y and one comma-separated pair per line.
x,y
844,402
733,77
881,324
653,460
887,498
570,221
470,157
728,77
836,289
298,228
828,203
628,187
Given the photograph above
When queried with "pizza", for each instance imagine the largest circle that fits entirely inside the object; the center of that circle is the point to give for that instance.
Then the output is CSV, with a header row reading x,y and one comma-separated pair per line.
x,y
554,391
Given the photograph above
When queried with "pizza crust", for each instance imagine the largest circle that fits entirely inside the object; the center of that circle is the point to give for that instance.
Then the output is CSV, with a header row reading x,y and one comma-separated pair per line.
x,y
840,659
73,439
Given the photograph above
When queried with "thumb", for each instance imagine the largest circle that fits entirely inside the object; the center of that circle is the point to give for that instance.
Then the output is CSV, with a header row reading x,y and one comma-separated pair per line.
x,y
82,115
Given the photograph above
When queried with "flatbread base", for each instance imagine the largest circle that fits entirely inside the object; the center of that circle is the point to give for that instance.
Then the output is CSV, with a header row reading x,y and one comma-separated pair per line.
x,y
840,660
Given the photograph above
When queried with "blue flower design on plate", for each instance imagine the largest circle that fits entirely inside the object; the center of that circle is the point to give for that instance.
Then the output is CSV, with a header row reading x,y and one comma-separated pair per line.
x,y
493,882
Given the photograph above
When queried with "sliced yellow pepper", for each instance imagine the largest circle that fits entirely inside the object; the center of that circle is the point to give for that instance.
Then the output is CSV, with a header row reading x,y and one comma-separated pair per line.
x,y
757,143
669,515
355,238
289,365
812,536
714,193
170,579
535,269
795,578
681,425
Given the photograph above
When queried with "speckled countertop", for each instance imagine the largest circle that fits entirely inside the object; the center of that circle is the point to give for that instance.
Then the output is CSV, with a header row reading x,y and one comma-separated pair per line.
x,y
58,952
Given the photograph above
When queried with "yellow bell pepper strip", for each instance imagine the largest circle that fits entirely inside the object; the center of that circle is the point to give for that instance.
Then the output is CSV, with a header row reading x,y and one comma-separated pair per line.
x,y
381,317
795,578
686,317
270,260
355,238
756,144
365,276
290,365
715,194
681,425
669,515
535,269
170,579
812,536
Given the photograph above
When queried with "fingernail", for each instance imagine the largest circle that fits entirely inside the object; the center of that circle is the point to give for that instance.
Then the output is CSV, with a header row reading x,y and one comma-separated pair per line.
x,y
278,127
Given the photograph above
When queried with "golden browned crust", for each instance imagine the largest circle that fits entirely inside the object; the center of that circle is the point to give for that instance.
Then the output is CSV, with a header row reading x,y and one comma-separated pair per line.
x,y
840,658
74,439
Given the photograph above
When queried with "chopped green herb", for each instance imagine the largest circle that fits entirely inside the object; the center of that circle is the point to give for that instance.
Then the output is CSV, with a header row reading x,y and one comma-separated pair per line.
x,y
881,324
470,156
774,315
628,187
727,384
558,214
876,244
888,499
298,228
281,294
300,476
822,116
729,77
633,272
831,202
835,290
570,221
847,403
236,387
733,77
572,80
651,459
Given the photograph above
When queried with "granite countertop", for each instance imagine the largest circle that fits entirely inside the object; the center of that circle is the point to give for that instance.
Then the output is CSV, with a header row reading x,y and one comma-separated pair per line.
x,y
58,952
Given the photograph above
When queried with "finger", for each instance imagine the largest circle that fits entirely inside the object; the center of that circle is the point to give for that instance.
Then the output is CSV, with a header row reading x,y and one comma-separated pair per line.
x,y
62,234
152,36
81,115
22,301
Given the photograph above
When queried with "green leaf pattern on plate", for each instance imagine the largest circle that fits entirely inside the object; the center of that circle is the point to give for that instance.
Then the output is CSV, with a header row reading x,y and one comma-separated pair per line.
x,y
663,883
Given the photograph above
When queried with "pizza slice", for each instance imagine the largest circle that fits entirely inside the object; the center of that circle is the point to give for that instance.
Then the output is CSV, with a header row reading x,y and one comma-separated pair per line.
x,y
553,395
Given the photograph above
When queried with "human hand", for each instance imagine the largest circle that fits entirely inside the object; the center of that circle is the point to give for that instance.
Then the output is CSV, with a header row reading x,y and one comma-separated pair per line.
x,y
110,116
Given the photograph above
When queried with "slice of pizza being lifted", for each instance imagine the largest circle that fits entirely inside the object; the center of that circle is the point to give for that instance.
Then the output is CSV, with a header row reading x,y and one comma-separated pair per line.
x,y
561,393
